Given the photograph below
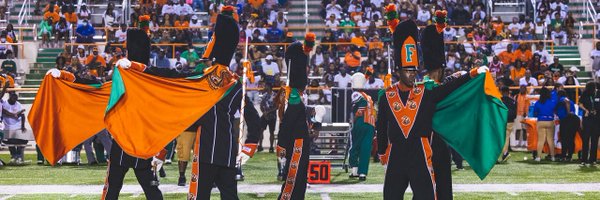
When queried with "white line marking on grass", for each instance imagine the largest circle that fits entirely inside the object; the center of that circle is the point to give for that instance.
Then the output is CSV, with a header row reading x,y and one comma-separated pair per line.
x,y
73,196
325,196
7,197
135,195
513,193
578,193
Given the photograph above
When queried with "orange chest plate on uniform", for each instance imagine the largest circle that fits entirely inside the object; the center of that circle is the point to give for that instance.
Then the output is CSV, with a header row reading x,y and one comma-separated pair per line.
x,y
405,114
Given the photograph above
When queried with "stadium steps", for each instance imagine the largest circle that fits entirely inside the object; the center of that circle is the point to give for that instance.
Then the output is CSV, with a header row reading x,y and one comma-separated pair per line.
x,y
14,19
45,61
569,56
295,18
578,10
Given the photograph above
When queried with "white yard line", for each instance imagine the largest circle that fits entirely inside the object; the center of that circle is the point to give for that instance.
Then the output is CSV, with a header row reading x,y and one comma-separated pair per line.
x,y
320,189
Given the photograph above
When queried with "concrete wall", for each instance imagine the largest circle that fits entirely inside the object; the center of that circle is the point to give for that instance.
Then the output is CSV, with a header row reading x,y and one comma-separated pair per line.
x,y
585,47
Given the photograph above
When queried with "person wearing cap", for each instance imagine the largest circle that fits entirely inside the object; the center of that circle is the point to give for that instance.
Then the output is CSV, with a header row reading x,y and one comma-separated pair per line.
x,y
293,145
432,42
270,69
289,38
404,120
570,79
363,128
96,63
85,32
194,22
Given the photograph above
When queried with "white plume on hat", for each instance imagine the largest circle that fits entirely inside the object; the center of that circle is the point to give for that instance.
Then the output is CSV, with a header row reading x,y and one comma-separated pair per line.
x,y
358,80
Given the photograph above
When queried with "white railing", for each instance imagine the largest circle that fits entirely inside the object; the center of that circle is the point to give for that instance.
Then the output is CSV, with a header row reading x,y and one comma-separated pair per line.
x,y
535,12
79,2
125,11
24,13
590,11
490,7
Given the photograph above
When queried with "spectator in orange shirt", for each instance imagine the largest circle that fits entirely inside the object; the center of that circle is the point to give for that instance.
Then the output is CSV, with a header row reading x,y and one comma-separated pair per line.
x,y
375,43
498,25
70,16
95,63
182,22
256,3
52,5
359,41
52,13
517,72
507,57
523,103
352,59
523,53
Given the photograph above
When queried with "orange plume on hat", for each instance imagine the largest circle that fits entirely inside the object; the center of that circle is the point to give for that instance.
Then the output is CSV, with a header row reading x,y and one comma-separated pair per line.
x,y
309,41
227,9
440,20
144,18
391,16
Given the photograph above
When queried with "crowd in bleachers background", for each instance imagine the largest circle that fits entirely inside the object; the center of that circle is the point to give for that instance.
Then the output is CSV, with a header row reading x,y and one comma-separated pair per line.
x,y
473,37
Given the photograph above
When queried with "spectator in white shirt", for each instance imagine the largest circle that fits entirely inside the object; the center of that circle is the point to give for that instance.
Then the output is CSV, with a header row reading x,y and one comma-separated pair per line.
x,y
469,46
479,12
449,34
595,56
544,56
269,67
334,9
342,80
559,36
424,15
183,8
194,22
515,27
527,80
373,82
332,23
363,24
569,74
168,8
377,3
121,34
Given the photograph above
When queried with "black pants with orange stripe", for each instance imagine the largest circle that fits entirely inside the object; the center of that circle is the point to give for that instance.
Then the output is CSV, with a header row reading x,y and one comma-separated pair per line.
x,y
295,170
116,173
410,164
442,167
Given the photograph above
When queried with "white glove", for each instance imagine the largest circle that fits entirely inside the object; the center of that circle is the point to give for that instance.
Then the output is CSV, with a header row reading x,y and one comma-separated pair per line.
x,y
243,158
482,69
54,73
124,63
157,162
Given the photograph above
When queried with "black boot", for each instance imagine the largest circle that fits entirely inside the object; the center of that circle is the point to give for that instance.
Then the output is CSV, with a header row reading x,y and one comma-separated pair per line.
x,y
162,173
182,166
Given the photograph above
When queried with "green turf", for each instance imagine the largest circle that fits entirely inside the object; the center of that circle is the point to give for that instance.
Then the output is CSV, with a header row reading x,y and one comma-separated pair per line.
x,y
141,196
262,169
343,196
